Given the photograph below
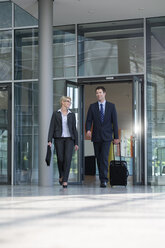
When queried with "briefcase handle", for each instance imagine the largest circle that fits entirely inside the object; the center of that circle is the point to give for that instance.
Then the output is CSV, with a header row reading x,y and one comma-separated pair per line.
x,y
119,150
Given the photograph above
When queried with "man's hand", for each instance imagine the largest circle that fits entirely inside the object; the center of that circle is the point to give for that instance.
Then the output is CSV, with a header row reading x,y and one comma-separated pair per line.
x,y
116,141
89,134
50,144
76,147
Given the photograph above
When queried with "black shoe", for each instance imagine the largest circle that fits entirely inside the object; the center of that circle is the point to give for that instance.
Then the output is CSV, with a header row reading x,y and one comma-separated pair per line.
x,y
103,184
60,182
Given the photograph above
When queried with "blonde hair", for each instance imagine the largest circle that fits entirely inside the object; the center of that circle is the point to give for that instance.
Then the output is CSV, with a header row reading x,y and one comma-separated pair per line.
x,y
64,98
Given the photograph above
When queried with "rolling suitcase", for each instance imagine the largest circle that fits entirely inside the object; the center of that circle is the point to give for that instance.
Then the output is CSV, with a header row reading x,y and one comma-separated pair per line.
x,y
118,171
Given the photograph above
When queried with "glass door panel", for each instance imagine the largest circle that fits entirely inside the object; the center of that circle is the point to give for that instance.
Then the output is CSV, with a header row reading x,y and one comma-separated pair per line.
x,y
73,91
138,171
4,134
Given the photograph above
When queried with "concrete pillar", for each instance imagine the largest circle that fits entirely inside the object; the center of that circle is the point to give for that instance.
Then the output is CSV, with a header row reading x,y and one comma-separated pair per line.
x,y
45,9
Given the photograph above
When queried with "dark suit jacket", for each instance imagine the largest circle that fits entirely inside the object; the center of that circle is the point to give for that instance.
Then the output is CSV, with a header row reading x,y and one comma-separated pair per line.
x,y
55,129
102,131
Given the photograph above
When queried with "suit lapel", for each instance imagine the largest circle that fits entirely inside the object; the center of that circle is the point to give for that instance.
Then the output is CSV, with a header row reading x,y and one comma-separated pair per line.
x,y
106,111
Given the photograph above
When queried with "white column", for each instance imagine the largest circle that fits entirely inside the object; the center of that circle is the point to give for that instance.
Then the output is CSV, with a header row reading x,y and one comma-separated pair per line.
x,y
45,9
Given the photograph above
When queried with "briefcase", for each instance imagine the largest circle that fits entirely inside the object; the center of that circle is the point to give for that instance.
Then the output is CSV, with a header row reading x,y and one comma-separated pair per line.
x,y
48,155
118,171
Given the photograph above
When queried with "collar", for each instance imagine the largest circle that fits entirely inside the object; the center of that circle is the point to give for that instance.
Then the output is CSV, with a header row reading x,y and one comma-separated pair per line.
x,y
61,112
102,103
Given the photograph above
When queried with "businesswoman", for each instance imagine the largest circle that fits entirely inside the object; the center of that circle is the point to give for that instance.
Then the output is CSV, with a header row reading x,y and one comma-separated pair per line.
x,y
63,130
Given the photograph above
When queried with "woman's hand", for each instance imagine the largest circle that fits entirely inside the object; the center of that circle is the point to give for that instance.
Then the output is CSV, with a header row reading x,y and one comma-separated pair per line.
x,y
49,143
76,147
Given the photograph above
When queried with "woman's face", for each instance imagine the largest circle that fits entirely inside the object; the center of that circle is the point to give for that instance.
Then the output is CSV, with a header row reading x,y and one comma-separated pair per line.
x,y
66,103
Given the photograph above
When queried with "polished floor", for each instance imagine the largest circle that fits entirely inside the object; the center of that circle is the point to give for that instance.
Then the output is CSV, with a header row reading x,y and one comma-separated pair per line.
x,y
82,216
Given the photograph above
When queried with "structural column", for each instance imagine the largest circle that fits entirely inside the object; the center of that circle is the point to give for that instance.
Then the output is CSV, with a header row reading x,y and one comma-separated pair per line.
x,y
45,9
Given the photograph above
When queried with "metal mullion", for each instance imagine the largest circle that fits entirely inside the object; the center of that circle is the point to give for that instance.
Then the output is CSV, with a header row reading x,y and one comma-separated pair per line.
x,y
145,103
12,102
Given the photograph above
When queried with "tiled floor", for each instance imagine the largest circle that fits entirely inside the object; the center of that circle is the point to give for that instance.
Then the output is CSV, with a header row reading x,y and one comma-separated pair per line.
x,y
82,216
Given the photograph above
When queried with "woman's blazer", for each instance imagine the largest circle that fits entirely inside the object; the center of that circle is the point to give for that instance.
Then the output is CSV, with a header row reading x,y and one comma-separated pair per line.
x,y
55,129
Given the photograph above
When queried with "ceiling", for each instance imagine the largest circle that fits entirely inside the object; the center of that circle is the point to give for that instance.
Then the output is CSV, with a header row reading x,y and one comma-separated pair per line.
x,y
86,11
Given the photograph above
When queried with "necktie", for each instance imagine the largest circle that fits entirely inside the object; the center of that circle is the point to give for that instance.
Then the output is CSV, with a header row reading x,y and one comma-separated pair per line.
x,y
101,113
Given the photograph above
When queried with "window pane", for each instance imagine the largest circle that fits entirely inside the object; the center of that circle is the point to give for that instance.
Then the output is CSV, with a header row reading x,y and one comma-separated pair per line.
x,y
22,18
26,132
64,51
156,100
26,54
5,15
5,55
110,48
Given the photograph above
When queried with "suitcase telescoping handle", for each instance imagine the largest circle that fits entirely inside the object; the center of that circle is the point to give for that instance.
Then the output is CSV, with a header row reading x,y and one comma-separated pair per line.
x,y
119,150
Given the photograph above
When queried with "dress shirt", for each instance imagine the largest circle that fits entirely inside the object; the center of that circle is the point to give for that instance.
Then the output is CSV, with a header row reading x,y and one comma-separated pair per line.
x,y
65,129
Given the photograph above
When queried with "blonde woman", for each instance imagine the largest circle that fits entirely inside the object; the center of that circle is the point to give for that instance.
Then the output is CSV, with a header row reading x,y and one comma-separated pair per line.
x,y
63,130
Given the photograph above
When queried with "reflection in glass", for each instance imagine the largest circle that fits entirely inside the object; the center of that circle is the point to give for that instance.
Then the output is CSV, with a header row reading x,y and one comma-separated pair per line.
x,y
3,155
156,100
110,48
5,55
3,136
22,18
26,54
64,51
26,132
5,14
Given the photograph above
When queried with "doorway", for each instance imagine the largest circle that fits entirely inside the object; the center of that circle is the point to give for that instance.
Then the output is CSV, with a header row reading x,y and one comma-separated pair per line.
x,y
5,134
128,97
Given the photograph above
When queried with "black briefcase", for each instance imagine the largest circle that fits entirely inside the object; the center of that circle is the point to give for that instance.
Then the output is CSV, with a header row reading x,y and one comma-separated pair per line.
x,y
48,155
118,171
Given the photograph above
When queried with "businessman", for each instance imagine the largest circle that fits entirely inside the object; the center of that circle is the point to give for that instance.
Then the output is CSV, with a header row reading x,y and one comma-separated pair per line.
x,y
102,115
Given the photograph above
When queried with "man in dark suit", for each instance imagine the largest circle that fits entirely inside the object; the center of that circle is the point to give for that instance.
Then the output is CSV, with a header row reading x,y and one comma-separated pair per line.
x,y
103,116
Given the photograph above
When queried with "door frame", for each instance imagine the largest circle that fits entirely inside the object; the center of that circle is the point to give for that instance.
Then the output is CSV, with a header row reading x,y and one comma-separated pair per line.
x,y
8,87
82,81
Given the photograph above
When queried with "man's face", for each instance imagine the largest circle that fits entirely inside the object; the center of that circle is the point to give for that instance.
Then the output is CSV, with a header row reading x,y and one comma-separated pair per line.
x,y
100,95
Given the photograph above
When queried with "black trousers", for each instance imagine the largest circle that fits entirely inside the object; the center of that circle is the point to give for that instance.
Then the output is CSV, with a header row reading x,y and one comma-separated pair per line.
x,y
101,152
64,151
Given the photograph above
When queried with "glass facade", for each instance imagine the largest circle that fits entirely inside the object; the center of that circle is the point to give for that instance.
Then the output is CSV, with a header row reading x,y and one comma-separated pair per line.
x,y
82,50
23,18
26,132
111,48
26,54
64,51
156,99
5,55
5,15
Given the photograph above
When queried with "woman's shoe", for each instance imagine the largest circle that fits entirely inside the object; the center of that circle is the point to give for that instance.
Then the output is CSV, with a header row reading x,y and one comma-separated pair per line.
x,y
60,181
64,185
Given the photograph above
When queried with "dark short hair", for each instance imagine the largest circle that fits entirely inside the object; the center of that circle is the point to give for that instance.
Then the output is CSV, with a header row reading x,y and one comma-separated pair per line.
x,y
101,88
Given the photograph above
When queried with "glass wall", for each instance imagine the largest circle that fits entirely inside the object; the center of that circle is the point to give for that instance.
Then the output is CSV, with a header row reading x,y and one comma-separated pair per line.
x,y
64,51
26,132
110,48
22,18
5,15
102,49
5,55
156,99
26,54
